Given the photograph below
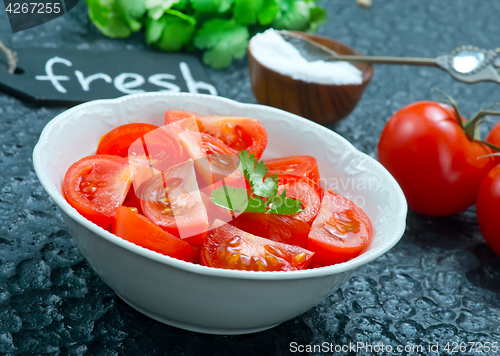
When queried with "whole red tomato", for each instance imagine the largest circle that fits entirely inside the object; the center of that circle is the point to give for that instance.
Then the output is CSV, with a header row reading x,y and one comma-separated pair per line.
x,y
494,135
494,138
436,163
488,208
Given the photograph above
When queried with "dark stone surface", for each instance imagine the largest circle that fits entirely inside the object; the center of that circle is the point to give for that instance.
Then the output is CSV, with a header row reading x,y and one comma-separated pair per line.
x,y
439,284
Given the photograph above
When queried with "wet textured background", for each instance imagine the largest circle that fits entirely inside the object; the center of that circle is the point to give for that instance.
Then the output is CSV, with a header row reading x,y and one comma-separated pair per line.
x,y
441,283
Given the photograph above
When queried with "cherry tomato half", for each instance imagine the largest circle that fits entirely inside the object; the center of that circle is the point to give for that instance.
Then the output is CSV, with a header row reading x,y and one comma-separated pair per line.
x,y
488,208
117,141
231,248
304,190
97,185
340,231
171,199
275,227
303,166
135,228
239,133
424,147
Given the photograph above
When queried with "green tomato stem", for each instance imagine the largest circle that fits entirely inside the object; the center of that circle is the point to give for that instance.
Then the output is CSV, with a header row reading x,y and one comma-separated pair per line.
x,y
453,103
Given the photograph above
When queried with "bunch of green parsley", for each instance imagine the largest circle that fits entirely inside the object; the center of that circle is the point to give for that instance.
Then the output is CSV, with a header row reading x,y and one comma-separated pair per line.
x,y
220,28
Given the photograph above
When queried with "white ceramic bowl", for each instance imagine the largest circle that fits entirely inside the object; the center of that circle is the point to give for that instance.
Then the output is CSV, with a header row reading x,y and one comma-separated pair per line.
x,y
195,297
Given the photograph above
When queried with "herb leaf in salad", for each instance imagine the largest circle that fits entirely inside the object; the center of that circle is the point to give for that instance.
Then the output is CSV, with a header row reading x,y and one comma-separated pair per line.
x,y
265,196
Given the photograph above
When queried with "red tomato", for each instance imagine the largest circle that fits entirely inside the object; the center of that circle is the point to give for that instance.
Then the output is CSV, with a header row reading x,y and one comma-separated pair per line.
x,y
494,135
231,248
215,146
494,138
135,228
161,147
132,201
275,227
436,164
304,190
117,141
206,151
239,133
171,199
303,166
340,231
488,208
97,185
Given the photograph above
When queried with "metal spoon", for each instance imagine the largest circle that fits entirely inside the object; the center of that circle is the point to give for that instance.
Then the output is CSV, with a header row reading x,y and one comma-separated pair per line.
x,y
467,63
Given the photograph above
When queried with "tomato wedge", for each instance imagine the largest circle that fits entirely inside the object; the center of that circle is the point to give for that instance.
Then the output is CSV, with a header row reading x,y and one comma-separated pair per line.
x,y
304,190
302,166
239,133
212,158
161,147
97,185
117,141
275,227
228,247
171,199
215,146
340,231
135,228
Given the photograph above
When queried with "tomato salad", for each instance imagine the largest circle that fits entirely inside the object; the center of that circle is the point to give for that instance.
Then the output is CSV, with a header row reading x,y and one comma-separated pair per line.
x,y
196,190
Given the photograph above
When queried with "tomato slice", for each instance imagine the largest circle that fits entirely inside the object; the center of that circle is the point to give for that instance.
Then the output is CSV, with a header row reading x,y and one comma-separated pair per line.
x,y
97,185
117,141
228,247
213,146
275,227
239,133
171,199
161,147
304,190
302,166
135,228
340,231
212,158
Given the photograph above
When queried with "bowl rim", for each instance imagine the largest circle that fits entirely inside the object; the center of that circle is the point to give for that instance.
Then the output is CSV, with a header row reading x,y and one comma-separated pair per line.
x,y
367,74
41,168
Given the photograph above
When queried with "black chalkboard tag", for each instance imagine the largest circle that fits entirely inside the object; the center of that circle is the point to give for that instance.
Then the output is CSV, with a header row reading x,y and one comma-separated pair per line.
x,y
71,76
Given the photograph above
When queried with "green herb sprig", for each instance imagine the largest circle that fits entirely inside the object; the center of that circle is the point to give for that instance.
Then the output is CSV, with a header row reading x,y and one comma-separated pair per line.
x,y
265,196
220,28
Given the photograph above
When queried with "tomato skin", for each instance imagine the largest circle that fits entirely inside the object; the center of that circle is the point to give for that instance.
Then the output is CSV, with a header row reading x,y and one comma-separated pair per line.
x,y
275,227
494,138
171,199
136,228
436,165
488,209
302,166
330,244
117,141
239,133
304,190
97,185
228,247
494,135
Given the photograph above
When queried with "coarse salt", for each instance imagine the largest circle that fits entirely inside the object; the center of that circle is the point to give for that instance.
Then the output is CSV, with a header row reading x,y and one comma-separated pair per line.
x,y
274,52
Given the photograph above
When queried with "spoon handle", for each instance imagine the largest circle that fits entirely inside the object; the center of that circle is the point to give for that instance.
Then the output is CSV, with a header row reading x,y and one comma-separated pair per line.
x,y
363,59
384,60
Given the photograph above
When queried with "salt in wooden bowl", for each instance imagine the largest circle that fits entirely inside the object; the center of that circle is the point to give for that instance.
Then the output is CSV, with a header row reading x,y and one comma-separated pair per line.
x,y
322,103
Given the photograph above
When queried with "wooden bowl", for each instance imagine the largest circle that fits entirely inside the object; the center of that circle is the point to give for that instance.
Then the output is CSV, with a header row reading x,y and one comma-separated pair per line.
x,y
322,103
